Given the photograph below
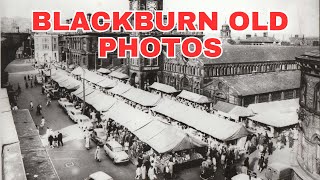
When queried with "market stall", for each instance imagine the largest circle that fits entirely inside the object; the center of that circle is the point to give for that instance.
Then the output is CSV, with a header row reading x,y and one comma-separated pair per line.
x,y
210,124
163,139
107,83
231,111
196,100
104,71
119,89
141,97
163,89
274,117
118,75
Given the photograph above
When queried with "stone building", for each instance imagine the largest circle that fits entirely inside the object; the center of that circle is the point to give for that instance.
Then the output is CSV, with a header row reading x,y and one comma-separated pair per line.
x,y
46,47
82,49
258,40
199,75
308,155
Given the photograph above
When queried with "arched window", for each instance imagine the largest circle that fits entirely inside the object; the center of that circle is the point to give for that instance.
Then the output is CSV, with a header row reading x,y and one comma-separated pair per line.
x,y
317,97
185,82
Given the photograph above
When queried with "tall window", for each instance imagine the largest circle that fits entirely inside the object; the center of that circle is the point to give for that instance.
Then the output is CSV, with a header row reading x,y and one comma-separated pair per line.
x,y
317,98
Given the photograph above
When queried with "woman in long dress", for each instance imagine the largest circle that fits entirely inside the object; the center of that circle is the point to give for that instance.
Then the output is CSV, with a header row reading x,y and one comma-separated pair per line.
x,y
87,137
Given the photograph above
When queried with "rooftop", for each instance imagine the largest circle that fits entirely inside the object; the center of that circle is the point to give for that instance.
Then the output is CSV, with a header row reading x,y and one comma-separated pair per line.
x,y
246,85
247,53
258,39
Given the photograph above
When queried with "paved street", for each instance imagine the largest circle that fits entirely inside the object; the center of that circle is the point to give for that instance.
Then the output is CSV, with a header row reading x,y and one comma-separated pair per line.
x,y
73,161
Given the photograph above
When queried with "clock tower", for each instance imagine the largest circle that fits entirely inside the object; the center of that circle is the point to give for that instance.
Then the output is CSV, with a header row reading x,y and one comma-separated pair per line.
x,y
143,71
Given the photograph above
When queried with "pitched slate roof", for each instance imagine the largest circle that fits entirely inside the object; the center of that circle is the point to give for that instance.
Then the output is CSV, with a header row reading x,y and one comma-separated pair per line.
x,y
251,53
246,85
246,53
259,39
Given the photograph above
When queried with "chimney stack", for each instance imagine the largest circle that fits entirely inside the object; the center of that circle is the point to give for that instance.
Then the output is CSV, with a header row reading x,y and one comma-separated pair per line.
x,y
265,34
67,21
248,36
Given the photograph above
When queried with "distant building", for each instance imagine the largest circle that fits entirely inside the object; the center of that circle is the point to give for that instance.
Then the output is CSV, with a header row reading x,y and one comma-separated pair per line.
x,y
308,154
82,49
46,47
258,40
304,41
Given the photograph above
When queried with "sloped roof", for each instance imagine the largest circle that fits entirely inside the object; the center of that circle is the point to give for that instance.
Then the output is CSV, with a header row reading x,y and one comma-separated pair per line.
x,y
120,88
142,97
163,88
276,113
251,53
190,96
259,39
246,85
233,109
208,123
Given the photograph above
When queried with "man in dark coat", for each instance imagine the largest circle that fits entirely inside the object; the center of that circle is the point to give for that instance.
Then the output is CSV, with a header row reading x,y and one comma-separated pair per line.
x,y
270,147
60,139
50,139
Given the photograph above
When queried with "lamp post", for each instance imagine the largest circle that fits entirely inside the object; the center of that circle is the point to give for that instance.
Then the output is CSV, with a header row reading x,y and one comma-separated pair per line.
x,y
83,86
95,61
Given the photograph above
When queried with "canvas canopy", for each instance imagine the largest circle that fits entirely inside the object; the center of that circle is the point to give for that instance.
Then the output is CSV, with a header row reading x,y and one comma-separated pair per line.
x,y
232,110
208,123
163,88
193,97
160,136
103,103
79,92
120,88
141,97
77,71
276,113
104,71
118,75
93,77
107,83
73,84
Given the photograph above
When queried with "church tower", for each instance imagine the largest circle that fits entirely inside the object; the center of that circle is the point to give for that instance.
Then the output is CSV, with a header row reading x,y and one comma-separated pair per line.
x,y
145,71
225,32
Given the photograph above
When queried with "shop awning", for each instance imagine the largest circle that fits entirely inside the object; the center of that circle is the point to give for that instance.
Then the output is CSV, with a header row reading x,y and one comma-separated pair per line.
x,y
126,115
94,96
107,83
104,103
232,110
162,137
77,71
79,92
73,84
120,88
142,97
213,125
276,113
163,88
118,75
193,97
104,71
93,77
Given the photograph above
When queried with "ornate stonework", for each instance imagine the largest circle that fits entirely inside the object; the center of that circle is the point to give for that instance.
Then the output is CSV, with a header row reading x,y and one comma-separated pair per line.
x,y
309,114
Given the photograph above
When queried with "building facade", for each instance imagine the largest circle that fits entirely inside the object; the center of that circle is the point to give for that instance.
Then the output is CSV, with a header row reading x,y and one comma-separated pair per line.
x,y
46,48
309,114
144,72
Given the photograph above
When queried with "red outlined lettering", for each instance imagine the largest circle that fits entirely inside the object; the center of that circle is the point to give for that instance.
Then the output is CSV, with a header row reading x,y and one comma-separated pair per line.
x,y
95,21
131,47
170,43
212,48
245,21
273,21
212,22
41,21
106,44
185,47
144,47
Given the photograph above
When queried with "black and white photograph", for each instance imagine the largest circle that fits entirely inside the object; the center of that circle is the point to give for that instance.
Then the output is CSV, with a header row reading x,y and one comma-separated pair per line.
x,y
160,90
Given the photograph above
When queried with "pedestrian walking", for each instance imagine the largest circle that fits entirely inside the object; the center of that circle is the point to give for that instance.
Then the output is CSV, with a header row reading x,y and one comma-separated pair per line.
x,y
143,172
50,139
270,147
55,141
27,85
28,77
260,163
97,154
246,162
43,121
25,78
60,142
87,138
31,106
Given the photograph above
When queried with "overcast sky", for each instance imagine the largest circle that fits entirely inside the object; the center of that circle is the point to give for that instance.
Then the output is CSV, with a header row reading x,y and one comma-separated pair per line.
x,y
303,15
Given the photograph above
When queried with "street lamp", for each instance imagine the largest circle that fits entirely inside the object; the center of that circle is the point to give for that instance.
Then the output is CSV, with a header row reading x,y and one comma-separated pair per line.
x,y
83,86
